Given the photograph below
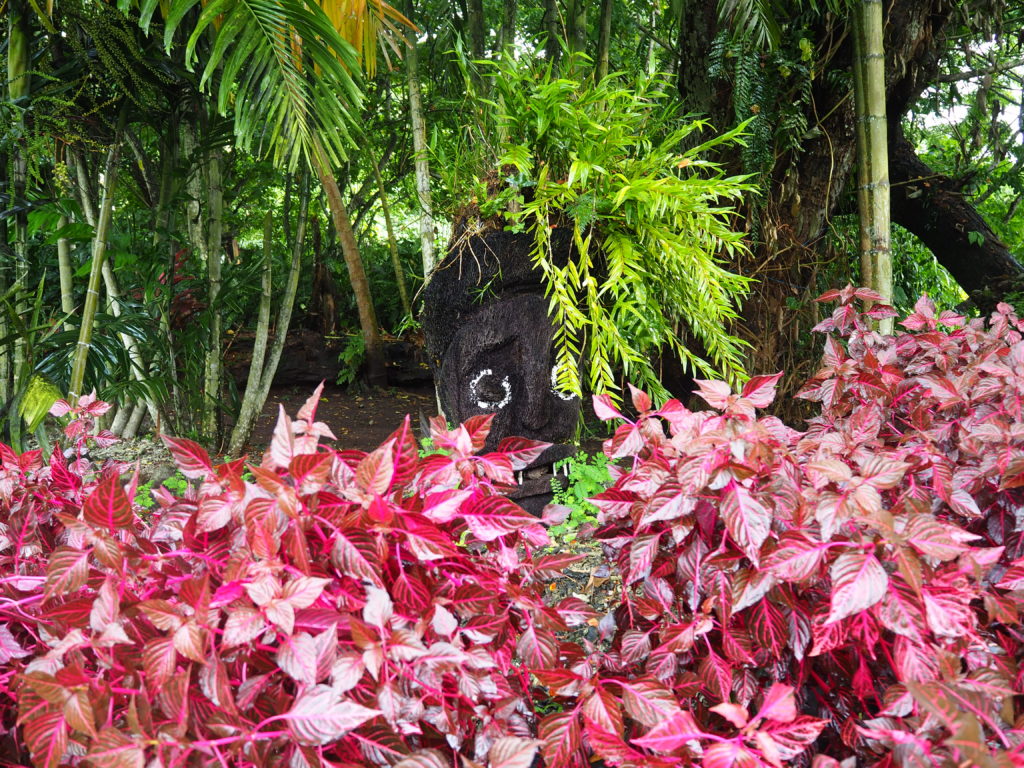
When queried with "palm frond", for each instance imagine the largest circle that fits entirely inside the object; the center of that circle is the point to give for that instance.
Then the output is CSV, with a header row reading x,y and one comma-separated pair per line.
x,y
282,67
756,20
365,23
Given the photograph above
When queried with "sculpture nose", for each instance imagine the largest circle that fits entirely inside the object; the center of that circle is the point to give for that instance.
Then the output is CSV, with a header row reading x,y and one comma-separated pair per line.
x,y
536,402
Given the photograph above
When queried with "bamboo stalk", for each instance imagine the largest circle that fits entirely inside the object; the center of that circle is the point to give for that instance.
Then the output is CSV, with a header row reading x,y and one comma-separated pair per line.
x,y
873,151
604,40
65,272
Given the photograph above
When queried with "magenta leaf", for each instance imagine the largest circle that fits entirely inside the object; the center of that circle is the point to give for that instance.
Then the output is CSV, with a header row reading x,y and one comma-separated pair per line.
x,y
859,581
520,451
560,737
760,390
192,459
671,734
605,408
108,505
67,571
747,520
512,752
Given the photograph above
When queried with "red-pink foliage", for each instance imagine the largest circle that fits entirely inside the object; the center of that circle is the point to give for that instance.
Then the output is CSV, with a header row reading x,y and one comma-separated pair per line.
x,y
852,591
343,609
847,593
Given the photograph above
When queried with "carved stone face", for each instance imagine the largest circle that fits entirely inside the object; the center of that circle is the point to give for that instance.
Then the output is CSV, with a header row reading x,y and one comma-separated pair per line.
x,y
501,361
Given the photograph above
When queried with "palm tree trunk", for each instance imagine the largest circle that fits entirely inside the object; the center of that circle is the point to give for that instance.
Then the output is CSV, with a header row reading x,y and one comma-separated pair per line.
x,y
249,409
873,151
205,210
475,22
375,370
130,343
576,23
215,226
422,162
131,429
84,190
396,262
5,356
161,225
19,81
99,253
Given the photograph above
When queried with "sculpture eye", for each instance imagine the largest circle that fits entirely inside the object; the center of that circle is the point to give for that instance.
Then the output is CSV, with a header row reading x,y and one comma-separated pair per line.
x,y
488,392
562,394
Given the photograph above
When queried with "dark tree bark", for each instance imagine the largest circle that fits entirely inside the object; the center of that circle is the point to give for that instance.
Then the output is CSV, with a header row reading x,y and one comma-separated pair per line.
x,y
604,38
508,25
475,22
804,188
552,48
933,207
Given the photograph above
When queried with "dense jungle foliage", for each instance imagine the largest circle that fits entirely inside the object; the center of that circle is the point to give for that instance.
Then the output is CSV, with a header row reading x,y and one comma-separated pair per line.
x,y
822,567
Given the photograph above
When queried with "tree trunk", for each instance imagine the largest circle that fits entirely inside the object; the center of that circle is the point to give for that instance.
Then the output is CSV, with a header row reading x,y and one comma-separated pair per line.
x,y
376,372
130,343
552,48
421,158
284,312
19,80
477,27
99,253
204,220
872,151
162,243
933,207
576,25
396,262
507,37
214,232
249,409
604,40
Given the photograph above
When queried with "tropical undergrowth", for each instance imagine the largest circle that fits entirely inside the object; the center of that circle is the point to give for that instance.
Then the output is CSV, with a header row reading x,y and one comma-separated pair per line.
x,y
653,218
849,594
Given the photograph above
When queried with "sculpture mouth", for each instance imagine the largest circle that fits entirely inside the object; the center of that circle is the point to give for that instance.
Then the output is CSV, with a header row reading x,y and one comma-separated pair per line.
x,y
534,482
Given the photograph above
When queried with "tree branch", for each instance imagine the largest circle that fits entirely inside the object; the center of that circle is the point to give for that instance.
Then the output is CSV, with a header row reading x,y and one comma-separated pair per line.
x,y
931,206
970,74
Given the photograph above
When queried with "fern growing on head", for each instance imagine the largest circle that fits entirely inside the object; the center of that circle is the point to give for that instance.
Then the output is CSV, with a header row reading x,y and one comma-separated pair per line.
x,y
652,219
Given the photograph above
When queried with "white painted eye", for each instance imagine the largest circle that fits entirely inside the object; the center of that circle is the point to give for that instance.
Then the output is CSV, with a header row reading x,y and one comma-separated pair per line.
x,y
489,405
567,396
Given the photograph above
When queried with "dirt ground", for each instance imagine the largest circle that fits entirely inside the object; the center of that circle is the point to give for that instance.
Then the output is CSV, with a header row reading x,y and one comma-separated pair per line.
x,y
360,420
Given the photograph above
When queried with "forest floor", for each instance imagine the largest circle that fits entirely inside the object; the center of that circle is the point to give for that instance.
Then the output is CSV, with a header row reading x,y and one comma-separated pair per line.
x,y
361,420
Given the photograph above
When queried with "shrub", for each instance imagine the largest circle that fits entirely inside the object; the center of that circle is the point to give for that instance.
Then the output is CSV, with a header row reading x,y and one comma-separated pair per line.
x,y
852,591
847,593
585,476
344,609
